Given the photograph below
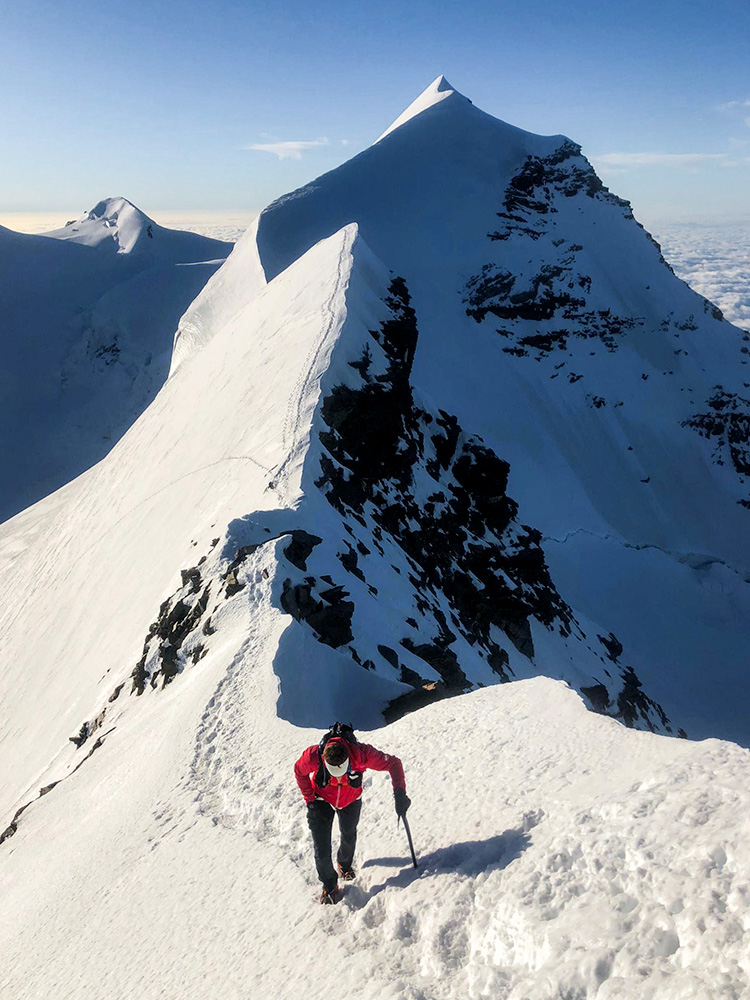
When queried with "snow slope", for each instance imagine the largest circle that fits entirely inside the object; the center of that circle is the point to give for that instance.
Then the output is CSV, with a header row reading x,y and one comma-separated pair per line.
x,y
86,340
606,863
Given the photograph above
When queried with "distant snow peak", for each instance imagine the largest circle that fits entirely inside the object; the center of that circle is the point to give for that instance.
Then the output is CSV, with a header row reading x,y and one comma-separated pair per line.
x,y
437,91
112,224
110,208
116,225
89,314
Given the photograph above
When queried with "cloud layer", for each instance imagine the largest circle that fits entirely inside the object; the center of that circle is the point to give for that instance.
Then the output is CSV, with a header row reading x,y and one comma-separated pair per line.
x,y
715,261
291,150
665,159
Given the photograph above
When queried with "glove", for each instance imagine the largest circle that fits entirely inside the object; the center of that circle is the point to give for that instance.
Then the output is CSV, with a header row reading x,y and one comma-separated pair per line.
x,y
402,801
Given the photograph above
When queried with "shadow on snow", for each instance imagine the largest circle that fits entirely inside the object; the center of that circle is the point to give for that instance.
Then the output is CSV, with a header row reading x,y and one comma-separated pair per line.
x,y
469,859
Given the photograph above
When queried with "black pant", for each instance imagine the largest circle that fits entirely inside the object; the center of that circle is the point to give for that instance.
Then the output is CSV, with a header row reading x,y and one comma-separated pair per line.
x,y
320,821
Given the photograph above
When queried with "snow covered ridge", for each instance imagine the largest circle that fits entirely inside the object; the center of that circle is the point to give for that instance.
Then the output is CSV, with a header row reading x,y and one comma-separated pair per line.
x,y
438,90
89,317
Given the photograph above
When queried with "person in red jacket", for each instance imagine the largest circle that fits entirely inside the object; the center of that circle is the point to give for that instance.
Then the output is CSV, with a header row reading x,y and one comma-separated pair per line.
x,y
330,779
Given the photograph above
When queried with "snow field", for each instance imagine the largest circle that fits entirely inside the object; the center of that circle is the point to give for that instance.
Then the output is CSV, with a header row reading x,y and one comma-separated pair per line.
x,y
560,854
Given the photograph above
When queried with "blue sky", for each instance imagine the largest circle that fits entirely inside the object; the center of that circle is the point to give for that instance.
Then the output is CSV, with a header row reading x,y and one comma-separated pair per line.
x,y
159,101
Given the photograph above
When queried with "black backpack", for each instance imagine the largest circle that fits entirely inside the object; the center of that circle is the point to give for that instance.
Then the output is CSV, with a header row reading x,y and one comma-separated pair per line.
x,y
345,732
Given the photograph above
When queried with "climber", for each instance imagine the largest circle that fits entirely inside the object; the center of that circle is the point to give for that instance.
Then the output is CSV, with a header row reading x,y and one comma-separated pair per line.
x,y
329,776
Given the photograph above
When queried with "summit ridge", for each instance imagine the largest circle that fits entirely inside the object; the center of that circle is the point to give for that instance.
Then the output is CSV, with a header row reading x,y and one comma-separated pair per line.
x,y
437,91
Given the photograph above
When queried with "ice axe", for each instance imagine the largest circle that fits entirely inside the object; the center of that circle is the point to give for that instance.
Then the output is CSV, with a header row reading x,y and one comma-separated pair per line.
x,y
408,835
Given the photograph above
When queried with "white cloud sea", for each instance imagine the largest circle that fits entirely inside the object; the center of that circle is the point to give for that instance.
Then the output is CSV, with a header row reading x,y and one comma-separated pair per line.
x,y
714,260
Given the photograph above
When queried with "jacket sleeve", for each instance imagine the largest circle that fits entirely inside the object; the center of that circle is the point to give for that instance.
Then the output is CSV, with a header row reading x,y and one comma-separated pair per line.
x,y
305,766
379,761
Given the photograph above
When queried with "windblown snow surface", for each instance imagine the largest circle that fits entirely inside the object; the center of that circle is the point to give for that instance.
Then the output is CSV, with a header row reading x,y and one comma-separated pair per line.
x,y
349,500
87,321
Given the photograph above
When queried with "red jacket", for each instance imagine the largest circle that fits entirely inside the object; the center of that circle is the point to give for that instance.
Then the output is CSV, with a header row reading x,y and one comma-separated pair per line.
x,y
339,792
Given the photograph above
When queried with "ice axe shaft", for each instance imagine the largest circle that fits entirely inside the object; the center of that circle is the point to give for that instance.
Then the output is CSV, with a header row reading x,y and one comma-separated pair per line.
x,y
411,842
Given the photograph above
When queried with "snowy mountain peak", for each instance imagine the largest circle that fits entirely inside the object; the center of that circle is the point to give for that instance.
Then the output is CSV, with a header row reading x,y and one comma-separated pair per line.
x,y
89,317
112,209
437,91
441,84
112,224
116,225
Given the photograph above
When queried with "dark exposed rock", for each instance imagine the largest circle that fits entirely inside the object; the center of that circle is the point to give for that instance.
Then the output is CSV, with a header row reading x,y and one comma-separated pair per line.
x,y
175,623
499,663
362,365
12,827
83,735
598,697
349,561
421,696
558,293
709,307
389,654
330,619
233,584
89,727
633,705
409,676
612,645
300,547
465,549
116,693
199,651
191,577
727,424
442,660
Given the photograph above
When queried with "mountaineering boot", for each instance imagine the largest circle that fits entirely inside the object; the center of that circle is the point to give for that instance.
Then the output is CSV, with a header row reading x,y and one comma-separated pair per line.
x,y
330,896
347,874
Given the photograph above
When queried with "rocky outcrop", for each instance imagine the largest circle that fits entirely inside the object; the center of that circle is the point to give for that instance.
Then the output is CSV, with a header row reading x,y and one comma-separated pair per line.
x,y
726,423
544,310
